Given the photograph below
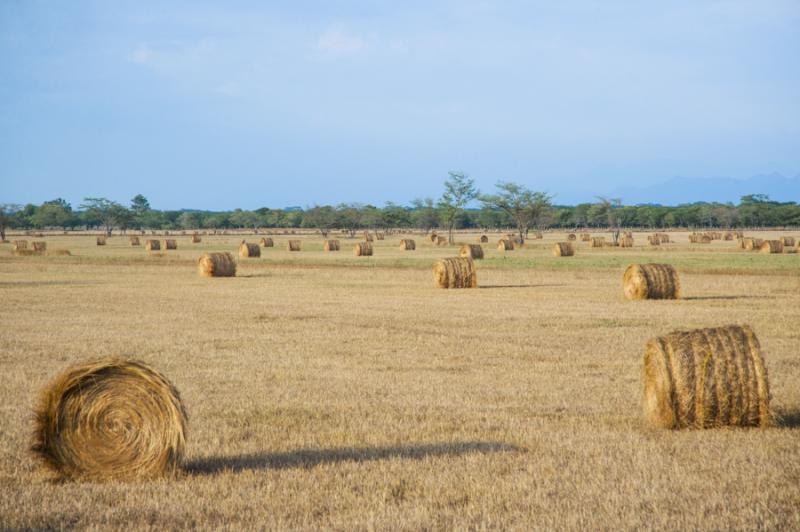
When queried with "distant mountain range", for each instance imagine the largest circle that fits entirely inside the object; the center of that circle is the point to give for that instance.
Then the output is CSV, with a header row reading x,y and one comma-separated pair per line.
x,y
721,189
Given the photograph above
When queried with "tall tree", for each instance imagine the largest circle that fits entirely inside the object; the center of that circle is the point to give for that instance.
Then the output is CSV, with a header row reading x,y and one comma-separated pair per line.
x,y
322,218
525,207
108,213
424,216
7,212
608,210
55,213
459,190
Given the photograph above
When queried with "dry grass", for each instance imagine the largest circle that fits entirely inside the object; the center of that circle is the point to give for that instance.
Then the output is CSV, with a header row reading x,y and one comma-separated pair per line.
x,y
404,406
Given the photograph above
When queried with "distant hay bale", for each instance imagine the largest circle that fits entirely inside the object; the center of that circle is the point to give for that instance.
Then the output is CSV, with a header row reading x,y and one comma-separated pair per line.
x,y
483,239
408,245
380,236
751,244
598,241
771,246
473,251
728,236
110,419
266,242
152,245
787,241
705,239
170,244
196,239
537,235
362,249
367,236
626,242
563,249
706,378
504,244
628,234
572,237
18,245
134,241
101,241
433,237
586,237
331,245
293,245
455,272
664,238
651,281
441,241
217,265
249,250
39,247
654,240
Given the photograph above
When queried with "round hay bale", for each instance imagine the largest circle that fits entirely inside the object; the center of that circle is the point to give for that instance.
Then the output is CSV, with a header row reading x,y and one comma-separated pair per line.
x,y
266,242
651,281
134,241
217,265
728,236
152,245
771,246
787,241
101,241
196,239
483,239
563,249
170,244
586,237
626,242
362,249
441,241
473,251
407,244
505,244
110,419
367,236
331,245
455,272
380,236
664,238
598,241
706,378
654,240
572,237
249,250
293,245
433,237
19,244
39,247
752,244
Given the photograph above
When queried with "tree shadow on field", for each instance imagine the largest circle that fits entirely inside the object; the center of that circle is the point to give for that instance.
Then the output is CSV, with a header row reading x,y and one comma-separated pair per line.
x,y
789,418
307,458
712,298
521,285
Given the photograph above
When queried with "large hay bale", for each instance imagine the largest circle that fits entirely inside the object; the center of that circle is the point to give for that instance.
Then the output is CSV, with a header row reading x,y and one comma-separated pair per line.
x,y
455,272
408,245
572,237
293,245
626,242
101,240
483,239
152,245
473,251
331,245
169,243
706,378
598,241
19,244
505,244
362,249
651,281
537,235
110,419
39,247
196,239
771,246
266,242
787,241
134,241
217,265
563,249
249,250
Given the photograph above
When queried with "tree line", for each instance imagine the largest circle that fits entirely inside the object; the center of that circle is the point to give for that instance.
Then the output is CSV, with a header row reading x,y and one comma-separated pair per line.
x,y
461,205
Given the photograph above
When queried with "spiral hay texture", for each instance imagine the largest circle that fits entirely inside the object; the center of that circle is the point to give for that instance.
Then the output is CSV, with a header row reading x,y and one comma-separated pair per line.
x,y
563,249
266,242
134,241
768,246
331,245
407,244
362,249
472,251
455,272
217,265
572,237
651,281
483,239
152,245
249,250
110,419
706,378
293,245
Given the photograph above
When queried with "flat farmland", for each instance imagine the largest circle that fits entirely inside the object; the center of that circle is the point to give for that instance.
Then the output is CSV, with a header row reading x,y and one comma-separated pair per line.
x,y
326,390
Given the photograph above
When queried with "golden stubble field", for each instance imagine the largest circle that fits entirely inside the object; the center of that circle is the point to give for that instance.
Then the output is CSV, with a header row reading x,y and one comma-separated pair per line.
x,y
330,391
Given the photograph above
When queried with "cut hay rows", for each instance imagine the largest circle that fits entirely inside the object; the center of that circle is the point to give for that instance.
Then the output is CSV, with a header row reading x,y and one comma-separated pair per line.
x,y
472,251
787,241
39,247
563,249
152,245
169,243
362,249
626,242
18,245
505,244
134,241
110,419
101,241
331,245
217,265
706,378
572,237
407,244
196,239
598,241
651,281
455,272
771,246
266,242
249,250
483,239
293,245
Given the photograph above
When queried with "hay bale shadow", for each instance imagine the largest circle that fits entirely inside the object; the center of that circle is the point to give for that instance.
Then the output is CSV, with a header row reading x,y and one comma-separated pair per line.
x,y
521,285
788,418
721,298
308,458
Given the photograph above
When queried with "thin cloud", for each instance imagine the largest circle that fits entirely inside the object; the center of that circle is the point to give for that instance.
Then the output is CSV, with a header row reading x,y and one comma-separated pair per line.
x,y
336,42
141,55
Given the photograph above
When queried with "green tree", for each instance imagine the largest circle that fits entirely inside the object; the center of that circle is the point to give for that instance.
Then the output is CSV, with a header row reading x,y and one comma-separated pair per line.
x,y
349,216
321,218
189,220
523,206
54,213
7,213
106,213
424,215
459,190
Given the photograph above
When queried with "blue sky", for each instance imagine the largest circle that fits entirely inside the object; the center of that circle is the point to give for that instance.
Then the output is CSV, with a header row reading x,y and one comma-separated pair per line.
x,y
219,105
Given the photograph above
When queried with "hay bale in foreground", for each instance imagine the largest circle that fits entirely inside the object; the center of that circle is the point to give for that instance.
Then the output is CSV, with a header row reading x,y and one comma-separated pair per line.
x,y
505,244
293,245
217,265
331,245
101,240
249,250
362,249
40,247
19,244
473,251
408,245
771,246
110,419
483,239
651,281
706,378
787,241
152,245
563,249
170,244
266,242
134,241
455,272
